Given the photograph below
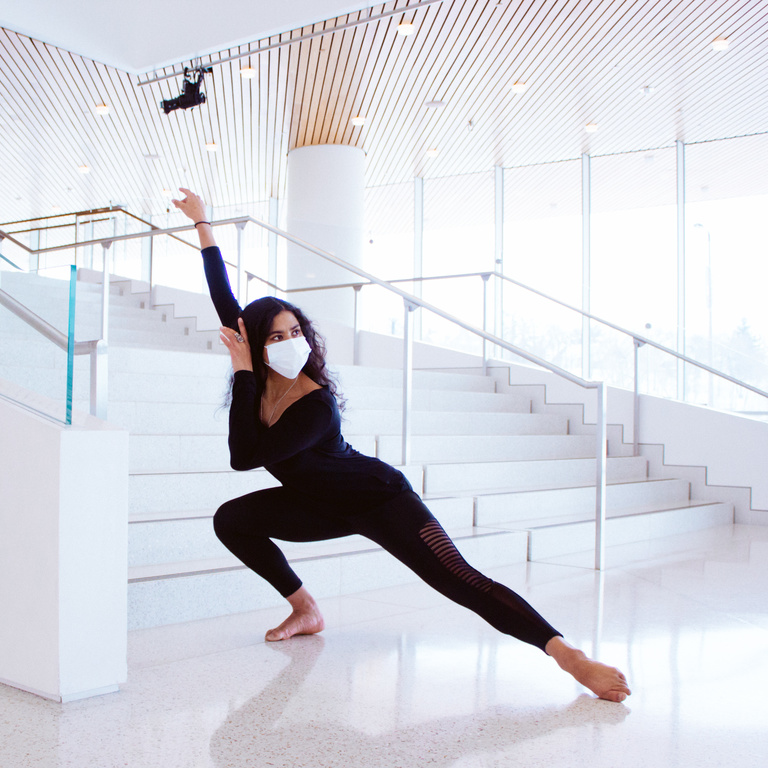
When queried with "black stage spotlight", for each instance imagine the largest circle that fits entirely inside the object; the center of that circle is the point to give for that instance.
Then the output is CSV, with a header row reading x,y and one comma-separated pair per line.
x,y
192,95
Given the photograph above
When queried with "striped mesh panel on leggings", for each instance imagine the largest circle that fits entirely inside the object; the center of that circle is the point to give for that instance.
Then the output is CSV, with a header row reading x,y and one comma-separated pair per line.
x,y
437,540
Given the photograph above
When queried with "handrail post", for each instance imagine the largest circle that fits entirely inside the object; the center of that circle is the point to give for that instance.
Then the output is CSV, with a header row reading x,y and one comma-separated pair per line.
x,y
602,465
356,329
105,244
151,254
99,379
99,355
636,402
407,379
240,227
485,277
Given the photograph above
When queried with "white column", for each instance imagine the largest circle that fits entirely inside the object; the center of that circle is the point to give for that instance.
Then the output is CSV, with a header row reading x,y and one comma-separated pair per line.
x,y
325,207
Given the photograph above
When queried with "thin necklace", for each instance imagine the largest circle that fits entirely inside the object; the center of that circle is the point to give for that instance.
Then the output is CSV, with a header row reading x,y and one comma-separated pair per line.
x,y
261,404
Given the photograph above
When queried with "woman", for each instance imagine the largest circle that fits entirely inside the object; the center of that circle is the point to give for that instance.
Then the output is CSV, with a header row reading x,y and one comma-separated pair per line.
x,y
284,417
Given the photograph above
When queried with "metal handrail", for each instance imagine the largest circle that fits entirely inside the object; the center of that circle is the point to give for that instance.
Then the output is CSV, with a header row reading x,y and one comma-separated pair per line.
x,y
643,340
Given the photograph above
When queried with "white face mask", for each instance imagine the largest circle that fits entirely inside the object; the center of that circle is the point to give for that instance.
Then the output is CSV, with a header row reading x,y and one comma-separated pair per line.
x,y
288,357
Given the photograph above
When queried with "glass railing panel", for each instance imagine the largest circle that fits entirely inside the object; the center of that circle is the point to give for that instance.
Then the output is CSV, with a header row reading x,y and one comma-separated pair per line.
x,y
34,371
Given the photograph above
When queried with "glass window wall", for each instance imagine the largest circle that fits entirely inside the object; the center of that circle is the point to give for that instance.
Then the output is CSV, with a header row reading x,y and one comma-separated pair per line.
x,y
633,256
727,269
542,250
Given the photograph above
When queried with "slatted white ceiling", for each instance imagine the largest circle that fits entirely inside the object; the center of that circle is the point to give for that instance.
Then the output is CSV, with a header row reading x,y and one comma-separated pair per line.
x,y
582,60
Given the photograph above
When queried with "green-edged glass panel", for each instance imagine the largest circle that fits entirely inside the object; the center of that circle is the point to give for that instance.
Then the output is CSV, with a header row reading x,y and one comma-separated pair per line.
x,y
35,371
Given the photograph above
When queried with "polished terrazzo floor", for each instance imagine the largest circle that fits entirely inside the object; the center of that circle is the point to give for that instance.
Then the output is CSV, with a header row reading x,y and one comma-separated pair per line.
x,y
402,678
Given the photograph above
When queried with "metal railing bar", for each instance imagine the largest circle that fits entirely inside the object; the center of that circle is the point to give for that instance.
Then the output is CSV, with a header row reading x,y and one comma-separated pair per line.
x,y
55,226
88,212
637,337
43,326
4,234
415,300
119,238
251,276
360,285
8,261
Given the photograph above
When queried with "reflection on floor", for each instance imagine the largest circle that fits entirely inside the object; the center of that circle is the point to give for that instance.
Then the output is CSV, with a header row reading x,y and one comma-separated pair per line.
x,y
402,678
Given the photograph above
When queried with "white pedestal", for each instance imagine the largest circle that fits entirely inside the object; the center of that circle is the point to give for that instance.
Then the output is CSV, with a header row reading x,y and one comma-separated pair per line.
x,y
63,555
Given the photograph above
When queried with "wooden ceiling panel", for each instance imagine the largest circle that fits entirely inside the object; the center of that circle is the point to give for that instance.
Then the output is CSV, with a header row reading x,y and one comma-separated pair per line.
x,y
583,60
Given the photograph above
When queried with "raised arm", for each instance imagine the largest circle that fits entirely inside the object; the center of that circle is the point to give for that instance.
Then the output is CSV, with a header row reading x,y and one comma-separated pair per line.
x,y
193,207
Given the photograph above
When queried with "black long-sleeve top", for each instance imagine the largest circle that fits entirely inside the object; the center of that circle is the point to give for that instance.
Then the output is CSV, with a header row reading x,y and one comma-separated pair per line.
x,y
304,448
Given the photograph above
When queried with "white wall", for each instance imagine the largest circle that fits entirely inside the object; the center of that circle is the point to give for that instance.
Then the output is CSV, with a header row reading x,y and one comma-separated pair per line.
x,y
63,554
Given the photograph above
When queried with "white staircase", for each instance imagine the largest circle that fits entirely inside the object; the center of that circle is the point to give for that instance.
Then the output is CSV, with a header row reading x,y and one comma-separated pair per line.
x,y
506,475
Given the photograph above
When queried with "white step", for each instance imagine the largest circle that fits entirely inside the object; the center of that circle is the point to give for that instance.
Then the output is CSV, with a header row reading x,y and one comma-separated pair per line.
x,y
153,454
561,539
150,493
357,421
441,400
494,509
195,590
172,537
487,448
440,479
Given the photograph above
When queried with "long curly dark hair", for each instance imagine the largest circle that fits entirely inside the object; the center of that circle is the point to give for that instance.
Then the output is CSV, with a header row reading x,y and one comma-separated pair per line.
x,y
258,317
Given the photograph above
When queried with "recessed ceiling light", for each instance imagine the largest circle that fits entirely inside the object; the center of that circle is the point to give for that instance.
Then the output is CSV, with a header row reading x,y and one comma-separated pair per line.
x,y
151,156
248,73
211,146
431,153
101,109
591,127
406,29
55,208
518,87
434,104
358,120
648,90
167,193
720,44
83,169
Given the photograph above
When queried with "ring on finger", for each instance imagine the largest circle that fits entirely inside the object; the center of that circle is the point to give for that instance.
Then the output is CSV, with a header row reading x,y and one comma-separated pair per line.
x,y
239,337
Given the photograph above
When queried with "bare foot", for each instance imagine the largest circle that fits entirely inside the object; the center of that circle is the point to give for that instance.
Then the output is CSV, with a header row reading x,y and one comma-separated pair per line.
x,y
298,623
605,682
305,619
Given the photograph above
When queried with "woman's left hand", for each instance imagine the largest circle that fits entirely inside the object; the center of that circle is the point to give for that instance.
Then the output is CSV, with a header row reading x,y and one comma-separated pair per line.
x,y
238,346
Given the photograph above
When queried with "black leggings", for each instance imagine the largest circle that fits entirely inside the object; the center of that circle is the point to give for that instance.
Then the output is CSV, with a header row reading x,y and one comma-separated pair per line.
x,y
403,526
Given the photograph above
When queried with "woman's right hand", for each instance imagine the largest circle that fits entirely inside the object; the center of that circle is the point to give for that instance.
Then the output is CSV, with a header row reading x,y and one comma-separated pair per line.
x,y
192,206
238,346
